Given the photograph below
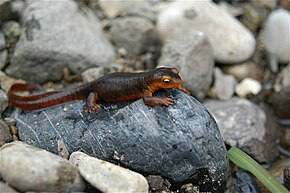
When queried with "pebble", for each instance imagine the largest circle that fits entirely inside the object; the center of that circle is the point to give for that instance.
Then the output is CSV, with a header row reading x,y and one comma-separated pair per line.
x,y
276,35
106,176
248,86
27,168
170,140
8,11
157,183
245,70
242,124
193,55
281,103
56,35
5,135
135,34
283,79
242,181
11,29
92,74
231,41
3,101
224,84
5,188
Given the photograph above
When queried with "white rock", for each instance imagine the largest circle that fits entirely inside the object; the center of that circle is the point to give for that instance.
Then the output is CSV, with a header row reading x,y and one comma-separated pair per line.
x,y
28,168
224,84
248,86
277,35
92,74
231,41
108,177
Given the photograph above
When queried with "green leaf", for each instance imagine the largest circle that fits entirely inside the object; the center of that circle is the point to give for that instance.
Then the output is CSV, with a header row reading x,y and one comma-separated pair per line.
x,y
245,162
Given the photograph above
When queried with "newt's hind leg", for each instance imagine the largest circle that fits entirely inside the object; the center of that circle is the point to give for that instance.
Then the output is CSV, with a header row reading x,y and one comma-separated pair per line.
x,y
92,106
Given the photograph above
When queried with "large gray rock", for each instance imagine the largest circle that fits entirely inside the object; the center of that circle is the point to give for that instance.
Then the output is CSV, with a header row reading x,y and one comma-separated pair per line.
x,y
179,142
193,55
28,168
243,124
56,35
135,34
231,41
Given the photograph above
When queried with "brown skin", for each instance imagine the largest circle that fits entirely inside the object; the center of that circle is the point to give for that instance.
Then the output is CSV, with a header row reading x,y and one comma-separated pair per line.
x,y
109,88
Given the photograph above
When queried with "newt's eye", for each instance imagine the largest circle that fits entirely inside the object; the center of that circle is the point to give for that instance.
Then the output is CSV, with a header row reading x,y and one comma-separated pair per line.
x,y
166,80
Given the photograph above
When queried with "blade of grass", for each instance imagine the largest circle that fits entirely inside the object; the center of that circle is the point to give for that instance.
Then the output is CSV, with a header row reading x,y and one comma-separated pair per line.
x,y
245,162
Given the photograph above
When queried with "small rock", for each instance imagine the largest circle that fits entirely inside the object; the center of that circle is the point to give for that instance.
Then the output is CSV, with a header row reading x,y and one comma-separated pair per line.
x,y
189,188
245,70
193,55
242,181
269,4
62,149
5,135
7,11
287,177
5,188
11,29
243,124
3,58
157,183
2,41
277,168
175,142
108,177
135,34
254,16
116,8
3,101
248,86
37,170
56,35
283,79
231,41
224,85
92,74
281,103
276,35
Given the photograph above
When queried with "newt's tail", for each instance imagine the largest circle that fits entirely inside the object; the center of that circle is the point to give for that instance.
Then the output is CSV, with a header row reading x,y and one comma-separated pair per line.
x,y
39,101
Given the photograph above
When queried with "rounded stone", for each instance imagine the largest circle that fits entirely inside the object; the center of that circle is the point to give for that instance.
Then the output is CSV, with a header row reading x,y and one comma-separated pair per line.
x,y
28,168
231,41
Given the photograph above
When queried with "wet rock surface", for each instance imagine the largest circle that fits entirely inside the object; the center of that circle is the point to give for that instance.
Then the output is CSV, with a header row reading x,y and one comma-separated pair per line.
x,y
55,35
193,49
179,142
106,176
243,124
38,170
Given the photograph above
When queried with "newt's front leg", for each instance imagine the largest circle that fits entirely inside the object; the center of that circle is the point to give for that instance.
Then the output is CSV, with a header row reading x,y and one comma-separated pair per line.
x,y
92,106
155,101
183,89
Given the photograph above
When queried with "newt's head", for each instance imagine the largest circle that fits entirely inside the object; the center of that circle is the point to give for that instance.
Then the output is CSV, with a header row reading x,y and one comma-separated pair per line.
x,y
165,78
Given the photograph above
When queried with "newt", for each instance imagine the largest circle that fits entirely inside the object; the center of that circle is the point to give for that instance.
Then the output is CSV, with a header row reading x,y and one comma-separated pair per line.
x,y
112,87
